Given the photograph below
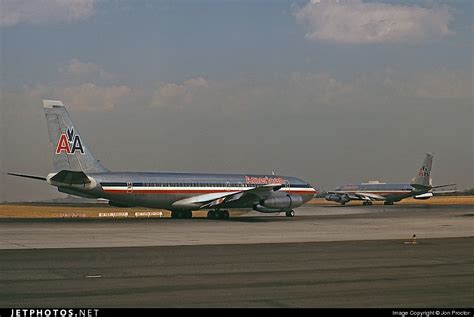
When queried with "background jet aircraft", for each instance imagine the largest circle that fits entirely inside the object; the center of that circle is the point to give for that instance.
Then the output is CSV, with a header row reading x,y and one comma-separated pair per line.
x,y
419,188
78,173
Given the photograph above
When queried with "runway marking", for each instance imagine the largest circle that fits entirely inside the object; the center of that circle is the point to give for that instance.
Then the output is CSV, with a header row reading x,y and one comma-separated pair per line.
x,y
73,215
113,214
149,214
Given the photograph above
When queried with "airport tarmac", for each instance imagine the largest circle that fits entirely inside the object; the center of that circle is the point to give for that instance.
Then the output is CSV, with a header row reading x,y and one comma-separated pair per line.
x,y
383,273
311,224
324,257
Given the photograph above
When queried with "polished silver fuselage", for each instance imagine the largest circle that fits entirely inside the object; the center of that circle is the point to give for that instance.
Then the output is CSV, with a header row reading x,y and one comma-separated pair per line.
x,y
161,190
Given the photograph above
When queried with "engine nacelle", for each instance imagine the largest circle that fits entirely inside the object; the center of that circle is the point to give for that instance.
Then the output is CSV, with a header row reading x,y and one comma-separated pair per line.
x,y
263,209
338,198
284,203
424,196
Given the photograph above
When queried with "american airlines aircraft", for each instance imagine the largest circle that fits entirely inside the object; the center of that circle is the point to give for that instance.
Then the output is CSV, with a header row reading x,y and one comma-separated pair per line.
x,y
419,188
78,173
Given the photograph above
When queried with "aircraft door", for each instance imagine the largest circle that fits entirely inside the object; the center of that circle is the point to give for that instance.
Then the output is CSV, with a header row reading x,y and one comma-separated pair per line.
x,y
129,187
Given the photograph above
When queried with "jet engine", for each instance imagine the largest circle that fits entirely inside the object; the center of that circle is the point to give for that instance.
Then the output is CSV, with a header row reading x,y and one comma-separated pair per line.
x,y
338,198
424,196
263,209
287,202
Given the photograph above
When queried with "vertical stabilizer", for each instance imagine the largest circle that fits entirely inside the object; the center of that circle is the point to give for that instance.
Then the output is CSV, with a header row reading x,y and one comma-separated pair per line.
x,y
422,178
69,150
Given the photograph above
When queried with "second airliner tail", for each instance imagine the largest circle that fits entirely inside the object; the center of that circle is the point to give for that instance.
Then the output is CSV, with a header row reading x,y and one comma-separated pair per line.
x,y
423,177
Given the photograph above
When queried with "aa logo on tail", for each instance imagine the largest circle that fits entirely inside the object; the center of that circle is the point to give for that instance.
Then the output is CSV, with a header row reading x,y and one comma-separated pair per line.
x,y
424,171
69,143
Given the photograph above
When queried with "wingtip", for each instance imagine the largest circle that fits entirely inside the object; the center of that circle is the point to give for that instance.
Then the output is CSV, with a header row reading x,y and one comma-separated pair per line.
x,y
51,103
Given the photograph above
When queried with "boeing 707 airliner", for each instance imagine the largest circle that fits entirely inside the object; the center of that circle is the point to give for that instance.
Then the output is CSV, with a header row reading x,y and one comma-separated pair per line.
x,y
78,173
419,188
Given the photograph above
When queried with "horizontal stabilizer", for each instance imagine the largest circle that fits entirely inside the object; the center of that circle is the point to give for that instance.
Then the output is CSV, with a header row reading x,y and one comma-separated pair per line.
x,y
420,187
41,178
51,103
441,186
71,178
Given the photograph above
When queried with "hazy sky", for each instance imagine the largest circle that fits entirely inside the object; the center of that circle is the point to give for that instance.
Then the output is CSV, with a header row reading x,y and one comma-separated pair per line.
x,y
332,92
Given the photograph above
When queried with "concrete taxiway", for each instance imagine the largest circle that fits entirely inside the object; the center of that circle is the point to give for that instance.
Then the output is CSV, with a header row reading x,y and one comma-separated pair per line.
x,y
387,273
312,224
324,257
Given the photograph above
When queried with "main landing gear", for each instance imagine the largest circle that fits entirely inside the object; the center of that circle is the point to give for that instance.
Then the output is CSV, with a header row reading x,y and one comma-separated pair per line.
x,y
181,214
218,214
388,203
367,203
290,213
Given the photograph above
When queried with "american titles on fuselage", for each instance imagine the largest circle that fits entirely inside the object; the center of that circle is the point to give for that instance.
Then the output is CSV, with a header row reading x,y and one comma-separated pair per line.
x,y
263,180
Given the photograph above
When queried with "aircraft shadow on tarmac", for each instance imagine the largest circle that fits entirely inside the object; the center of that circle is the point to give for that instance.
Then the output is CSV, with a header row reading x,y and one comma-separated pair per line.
x,y
131,219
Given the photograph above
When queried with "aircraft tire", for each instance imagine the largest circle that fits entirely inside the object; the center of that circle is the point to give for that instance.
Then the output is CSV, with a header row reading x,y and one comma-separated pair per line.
x,y
218,214
224,214
290,213
211,214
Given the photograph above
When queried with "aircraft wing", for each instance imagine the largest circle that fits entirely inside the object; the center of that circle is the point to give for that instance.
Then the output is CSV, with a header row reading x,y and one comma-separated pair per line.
x,y
350,195
367,196
359,195
214,200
